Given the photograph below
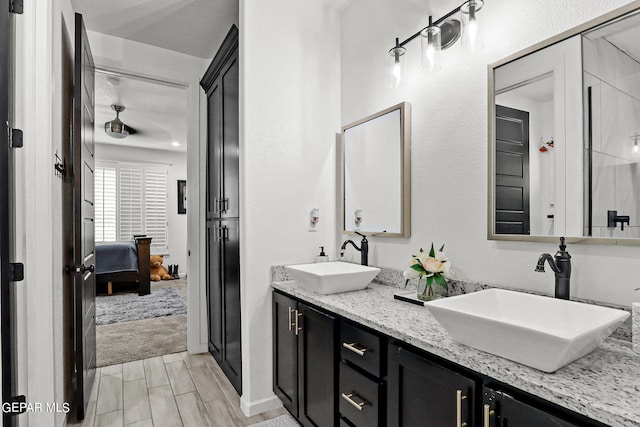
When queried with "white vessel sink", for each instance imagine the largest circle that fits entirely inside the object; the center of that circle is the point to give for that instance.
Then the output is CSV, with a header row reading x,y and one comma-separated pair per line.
x,y
332,277
542,332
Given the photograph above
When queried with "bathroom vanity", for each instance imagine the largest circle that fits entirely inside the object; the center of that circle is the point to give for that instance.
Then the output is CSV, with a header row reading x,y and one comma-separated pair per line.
x,y
364,359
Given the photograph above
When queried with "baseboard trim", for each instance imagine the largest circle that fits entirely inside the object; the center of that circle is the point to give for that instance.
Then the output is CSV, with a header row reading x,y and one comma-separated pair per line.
x,y
198,348
249,409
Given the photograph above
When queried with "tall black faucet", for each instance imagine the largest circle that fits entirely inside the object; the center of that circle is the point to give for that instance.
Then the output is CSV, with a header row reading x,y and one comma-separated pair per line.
x,y
561,266
364,248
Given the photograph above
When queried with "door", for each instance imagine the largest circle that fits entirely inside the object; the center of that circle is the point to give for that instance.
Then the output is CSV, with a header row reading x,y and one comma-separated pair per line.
x,y
506,411
512,171
7,330
422,392
285,352
83,219
214,288
317,372
229,80
232,350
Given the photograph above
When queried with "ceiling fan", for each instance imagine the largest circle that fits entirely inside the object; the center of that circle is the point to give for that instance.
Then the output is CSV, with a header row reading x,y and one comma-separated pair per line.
x,y
116,128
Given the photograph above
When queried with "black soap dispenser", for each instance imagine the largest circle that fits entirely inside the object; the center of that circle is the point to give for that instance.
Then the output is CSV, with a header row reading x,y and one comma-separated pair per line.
x,y
322,257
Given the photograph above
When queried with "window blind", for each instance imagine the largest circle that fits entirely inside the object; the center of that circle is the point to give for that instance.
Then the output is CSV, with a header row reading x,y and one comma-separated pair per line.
x,y
130,200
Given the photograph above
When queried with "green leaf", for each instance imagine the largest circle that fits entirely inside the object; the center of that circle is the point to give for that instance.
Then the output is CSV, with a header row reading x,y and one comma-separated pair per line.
x,y
441,281
419,268
441,248
432,253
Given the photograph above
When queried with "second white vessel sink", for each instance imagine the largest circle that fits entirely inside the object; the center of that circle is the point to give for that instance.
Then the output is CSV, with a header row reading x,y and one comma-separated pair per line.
x,y
332,277
541,332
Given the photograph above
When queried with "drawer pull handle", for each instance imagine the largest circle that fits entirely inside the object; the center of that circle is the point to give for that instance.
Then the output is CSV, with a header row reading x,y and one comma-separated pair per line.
x,y
290,321
459,399
487,413
297,322
348,398
360,350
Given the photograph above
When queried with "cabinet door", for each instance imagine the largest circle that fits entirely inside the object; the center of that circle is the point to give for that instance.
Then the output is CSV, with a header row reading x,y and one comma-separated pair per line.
x,y
214,150
231,137
317,375
214,288
285,352
423,393
232,355
505,411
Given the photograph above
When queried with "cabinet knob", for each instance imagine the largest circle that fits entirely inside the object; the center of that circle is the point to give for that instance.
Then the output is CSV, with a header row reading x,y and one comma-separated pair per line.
x,y
355,347
459,398
358,405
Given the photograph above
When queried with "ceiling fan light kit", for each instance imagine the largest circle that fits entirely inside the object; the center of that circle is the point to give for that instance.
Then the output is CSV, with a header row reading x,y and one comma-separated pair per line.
x,y
116,128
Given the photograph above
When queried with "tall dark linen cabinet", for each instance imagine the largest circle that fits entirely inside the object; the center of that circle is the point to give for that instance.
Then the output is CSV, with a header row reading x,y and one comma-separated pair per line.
x,y
221,83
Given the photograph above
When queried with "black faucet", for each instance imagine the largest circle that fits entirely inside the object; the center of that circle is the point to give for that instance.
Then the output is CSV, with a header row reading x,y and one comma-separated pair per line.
x,y
364,248
561,265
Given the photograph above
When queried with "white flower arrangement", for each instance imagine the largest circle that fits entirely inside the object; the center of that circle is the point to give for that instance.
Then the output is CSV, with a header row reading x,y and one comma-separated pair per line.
x,y
434,265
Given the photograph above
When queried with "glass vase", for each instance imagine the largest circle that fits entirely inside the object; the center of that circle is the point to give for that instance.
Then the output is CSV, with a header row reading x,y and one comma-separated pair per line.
x,y
425,291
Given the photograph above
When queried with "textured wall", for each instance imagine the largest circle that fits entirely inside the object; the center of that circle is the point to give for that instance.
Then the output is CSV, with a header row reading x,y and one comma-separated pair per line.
x,y
290,114
449,147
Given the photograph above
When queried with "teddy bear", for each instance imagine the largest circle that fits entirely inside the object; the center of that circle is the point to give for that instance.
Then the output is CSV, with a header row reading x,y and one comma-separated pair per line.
x,y
158,271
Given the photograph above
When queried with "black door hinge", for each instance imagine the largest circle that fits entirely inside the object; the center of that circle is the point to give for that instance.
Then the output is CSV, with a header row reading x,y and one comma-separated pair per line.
x,y
18,405
16,6
15,138
16,272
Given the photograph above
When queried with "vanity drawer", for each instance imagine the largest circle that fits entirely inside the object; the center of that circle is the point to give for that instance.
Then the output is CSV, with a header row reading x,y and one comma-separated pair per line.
x,y
360,397
360,347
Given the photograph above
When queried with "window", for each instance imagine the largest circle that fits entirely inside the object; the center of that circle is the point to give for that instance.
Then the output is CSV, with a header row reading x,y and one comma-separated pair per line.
x,y
130,200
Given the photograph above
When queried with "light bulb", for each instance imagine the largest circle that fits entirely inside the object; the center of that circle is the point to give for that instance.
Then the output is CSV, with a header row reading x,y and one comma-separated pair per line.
x,y
471,42
397,68
636,149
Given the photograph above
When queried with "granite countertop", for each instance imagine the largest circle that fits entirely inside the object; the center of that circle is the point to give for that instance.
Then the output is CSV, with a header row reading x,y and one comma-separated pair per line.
x,y
604,385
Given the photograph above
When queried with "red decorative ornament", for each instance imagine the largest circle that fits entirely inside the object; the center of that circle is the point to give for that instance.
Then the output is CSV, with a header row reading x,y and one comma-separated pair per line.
x,y
543,149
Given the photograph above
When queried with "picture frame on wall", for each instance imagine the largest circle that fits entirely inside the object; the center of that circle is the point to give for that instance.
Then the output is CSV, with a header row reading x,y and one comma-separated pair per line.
x,y
182,197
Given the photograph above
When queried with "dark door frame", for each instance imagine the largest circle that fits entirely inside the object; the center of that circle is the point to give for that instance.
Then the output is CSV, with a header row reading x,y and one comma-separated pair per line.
x,y
7,328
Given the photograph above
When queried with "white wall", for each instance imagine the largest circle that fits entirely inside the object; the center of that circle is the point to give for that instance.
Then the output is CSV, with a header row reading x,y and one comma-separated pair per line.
x,y
449,146
290,115
149,61
38,229
177,168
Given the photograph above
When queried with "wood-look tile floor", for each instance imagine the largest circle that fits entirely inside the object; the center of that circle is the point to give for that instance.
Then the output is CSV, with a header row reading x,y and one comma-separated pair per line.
x,y
173,390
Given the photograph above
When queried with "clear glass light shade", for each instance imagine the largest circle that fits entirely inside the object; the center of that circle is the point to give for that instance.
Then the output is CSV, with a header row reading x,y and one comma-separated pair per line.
x,y
431,49
470,39
397,67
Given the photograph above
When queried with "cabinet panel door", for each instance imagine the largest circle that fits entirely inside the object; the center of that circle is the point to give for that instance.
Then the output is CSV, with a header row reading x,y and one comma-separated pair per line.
x,y
231,139
510,412
317,375
285,352
232,355
214,150
214,289
422,392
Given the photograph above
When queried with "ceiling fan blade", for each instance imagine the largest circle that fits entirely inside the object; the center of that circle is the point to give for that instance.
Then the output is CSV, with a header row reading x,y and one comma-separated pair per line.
x,y
131,130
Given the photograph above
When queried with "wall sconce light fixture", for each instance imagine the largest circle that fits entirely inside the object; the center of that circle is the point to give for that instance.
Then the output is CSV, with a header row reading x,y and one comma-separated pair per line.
x,y
636,149
437,36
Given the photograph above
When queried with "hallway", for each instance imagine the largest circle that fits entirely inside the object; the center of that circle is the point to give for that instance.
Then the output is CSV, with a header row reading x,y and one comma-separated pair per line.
x,y
172,390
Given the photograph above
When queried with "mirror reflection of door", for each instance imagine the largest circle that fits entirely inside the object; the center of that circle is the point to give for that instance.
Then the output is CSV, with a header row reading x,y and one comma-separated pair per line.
x,y
512,171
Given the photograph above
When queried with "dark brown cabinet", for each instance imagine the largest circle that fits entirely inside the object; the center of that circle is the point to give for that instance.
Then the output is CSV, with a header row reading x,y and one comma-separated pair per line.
x,y
500,409
330,371
221,83
420,389
305,362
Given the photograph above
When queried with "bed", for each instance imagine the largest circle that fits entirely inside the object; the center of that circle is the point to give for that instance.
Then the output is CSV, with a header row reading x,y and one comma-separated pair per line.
x,y
124,262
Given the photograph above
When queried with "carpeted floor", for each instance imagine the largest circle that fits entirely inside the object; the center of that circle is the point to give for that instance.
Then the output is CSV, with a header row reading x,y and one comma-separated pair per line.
x,y
131,306
128,341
